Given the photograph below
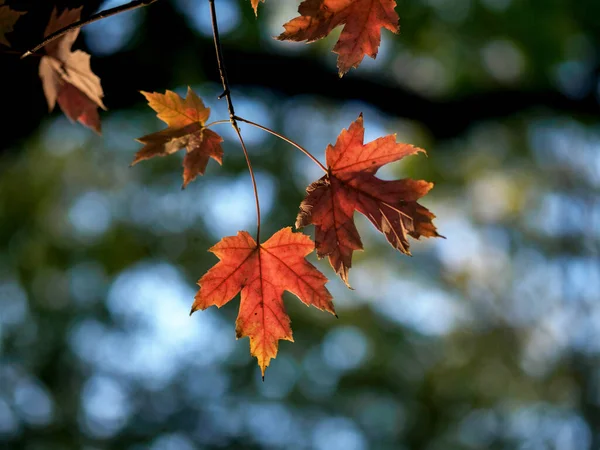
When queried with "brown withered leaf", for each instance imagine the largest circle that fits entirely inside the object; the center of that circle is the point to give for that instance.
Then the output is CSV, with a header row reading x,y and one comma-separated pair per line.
x,y
67,77
8,18
186,119
350,184
362,20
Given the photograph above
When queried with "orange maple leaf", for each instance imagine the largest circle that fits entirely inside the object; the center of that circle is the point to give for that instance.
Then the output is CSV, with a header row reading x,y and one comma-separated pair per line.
x,y
8,18
255,5
362,19
350,185
67,76
186,119
262,273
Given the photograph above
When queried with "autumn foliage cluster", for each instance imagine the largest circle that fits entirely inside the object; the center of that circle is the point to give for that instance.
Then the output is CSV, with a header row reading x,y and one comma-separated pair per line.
x,y
261,272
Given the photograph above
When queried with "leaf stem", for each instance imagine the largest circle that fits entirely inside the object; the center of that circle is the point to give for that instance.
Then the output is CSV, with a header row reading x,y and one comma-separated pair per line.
x,y
134,4
232,117
237,130
217,122
283,138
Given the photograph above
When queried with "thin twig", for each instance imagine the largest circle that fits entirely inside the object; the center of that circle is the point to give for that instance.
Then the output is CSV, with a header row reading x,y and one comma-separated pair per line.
x,y
283,138
134,4
220,62
232,117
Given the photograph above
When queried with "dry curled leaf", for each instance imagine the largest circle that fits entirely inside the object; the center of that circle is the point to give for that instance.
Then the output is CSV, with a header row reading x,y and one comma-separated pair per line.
x,y
186,119
262,273
67,77
8,18
350,185
362,20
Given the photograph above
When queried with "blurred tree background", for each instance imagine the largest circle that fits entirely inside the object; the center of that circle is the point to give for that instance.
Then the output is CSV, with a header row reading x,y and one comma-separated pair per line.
x,y
489,339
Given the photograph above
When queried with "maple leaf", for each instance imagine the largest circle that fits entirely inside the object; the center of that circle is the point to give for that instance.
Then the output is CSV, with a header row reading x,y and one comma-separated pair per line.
x,y
350,185
67,77
186,119
262,273
8,18
362,20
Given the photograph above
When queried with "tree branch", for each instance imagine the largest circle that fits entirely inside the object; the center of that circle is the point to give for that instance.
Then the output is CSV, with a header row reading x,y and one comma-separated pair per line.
x,y
232,118
134,4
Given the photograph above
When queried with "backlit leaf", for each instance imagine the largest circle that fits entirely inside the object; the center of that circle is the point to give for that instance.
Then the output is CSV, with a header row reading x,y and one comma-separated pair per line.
x,y
186,119
350,185
262,273
362,20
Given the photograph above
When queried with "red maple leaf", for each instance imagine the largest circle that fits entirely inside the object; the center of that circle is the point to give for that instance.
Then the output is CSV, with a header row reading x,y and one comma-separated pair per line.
x,y
67,76
362,20
262,273
186,119
350,185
